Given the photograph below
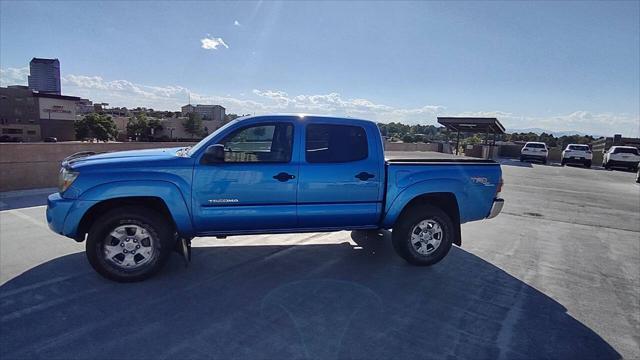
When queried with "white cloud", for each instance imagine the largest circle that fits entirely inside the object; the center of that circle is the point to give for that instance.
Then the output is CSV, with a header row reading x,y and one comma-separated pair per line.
x,y
212,43
14,76
236,23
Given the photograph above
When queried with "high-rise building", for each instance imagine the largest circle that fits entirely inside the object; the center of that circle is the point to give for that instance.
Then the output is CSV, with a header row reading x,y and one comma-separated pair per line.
x,y
44,76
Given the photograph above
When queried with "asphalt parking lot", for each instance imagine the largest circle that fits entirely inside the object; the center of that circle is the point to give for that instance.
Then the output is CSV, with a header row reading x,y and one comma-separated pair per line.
x,y
556,275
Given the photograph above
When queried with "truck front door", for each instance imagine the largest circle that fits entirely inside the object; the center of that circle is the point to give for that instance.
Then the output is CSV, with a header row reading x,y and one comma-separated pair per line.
x,y
254,188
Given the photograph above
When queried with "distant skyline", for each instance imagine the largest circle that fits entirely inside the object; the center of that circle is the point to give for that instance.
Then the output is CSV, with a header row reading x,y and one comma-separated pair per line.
x,y
561,66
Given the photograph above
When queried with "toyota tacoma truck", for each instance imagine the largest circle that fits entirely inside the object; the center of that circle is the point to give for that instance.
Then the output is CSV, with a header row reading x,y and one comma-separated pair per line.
x,y
266,174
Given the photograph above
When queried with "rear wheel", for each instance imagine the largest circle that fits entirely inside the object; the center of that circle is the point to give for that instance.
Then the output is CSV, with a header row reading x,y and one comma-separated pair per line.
x,y
129,244
562,162
587,164
423,235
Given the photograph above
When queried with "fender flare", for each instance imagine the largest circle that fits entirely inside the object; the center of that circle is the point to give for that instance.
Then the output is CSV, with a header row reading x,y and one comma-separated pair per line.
x,y
166,191
452,186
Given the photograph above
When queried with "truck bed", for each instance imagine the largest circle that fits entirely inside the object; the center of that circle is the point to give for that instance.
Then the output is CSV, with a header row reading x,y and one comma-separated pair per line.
x,y
413,157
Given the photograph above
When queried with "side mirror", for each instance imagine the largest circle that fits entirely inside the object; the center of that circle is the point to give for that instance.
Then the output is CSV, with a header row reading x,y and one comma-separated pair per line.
x,y
213,154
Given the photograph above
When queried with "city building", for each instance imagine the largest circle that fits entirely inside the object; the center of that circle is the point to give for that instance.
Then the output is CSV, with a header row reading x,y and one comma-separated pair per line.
x,y
84,106
187,109
44,76
211,112
19,119
207,112
57,115
172,129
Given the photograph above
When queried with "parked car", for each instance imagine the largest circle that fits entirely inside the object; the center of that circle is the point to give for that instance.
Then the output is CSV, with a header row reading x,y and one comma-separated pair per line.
x,y
577,153
7,138
536,151
50,139
621,157
266,174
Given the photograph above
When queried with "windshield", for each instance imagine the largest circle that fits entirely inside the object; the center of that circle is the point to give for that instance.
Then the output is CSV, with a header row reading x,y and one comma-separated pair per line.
x,y
579,147
194,149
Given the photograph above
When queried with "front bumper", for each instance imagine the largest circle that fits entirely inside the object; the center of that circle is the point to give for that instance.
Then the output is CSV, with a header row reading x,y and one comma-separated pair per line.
x,y
57,210
496,208
64,215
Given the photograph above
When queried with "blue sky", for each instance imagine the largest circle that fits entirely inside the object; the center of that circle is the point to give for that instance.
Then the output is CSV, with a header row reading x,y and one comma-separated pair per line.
x,y
553,65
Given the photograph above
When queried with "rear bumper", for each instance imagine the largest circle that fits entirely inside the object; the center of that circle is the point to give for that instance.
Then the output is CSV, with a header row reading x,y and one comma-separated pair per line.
x,y
578,160
496,208
622,164
533,157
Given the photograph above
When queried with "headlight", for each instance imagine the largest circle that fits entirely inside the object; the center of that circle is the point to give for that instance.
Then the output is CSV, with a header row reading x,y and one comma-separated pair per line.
x,y
66,178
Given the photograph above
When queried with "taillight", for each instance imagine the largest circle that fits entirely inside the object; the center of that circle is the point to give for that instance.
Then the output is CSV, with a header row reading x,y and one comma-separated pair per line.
x,y
567,151
544,150
525,149
499,187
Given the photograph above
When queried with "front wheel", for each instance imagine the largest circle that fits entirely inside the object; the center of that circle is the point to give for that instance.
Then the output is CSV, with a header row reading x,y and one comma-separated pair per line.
x,y
129,244
423,235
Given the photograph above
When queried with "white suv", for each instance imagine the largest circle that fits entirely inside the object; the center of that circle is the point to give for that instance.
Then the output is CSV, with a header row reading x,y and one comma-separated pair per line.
x,y
621,156
534,151
577,153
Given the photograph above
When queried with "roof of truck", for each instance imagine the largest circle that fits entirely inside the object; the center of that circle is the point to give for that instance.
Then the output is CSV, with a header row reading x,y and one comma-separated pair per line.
x,y
301,117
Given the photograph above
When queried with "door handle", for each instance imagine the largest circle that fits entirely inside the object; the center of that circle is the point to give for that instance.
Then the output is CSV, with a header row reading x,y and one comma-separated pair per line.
x,y
364,176
283,176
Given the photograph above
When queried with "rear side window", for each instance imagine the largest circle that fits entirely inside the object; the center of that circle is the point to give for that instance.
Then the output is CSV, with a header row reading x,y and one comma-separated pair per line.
x,y
537,146
625,151
335,143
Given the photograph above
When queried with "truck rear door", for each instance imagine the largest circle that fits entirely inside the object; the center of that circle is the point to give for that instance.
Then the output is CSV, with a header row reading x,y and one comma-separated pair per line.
x,y
340,177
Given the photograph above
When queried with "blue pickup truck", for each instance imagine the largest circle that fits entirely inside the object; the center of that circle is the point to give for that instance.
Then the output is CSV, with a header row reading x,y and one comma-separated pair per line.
x,y
266,174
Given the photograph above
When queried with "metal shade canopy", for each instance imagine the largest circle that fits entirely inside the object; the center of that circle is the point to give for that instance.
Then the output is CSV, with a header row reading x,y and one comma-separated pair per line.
x,y
474,125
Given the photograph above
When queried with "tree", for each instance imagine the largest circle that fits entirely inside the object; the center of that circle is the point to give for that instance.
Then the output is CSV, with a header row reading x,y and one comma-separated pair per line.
x,y
154,126
138,127
193,124
229,117
96,126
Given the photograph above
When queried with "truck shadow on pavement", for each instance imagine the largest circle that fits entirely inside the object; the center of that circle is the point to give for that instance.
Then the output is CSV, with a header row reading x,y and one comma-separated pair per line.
x,y
295,301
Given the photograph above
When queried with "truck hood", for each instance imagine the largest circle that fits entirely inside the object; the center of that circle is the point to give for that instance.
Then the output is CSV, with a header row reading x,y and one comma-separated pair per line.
x,y
81,159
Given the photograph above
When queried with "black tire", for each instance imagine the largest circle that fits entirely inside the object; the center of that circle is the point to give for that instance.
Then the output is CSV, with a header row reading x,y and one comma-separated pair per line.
x,y
158,229
401,235
587,164
521,159
562,163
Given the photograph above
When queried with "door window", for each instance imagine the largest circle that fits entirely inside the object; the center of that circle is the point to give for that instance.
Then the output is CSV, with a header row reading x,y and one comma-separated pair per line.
x,y
327,143
263,143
